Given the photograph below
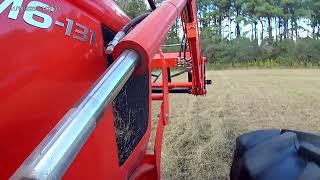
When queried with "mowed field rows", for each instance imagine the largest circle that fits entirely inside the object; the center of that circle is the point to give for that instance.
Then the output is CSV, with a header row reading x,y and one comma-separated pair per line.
x,y
199,140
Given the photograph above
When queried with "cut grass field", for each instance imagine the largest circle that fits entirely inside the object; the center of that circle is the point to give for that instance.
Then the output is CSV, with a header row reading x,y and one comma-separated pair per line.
x,y
199,140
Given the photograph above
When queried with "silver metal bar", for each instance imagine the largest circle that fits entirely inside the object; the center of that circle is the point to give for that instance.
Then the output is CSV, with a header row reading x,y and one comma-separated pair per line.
x,y
170,45
55,153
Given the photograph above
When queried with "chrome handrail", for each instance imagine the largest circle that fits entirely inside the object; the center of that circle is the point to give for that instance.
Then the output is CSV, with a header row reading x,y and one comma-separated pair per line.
x,y
55,153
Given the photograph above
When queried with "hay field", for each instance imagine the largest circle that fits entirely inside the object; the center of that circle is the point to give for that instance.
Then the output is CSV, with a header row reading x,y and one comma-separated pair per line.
x,y
199,140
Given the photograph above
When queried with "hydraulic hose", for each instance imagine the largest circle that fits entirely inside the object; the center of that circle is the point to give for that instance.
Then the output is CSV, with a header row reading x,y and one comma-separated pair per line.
x,y
152,5
125,30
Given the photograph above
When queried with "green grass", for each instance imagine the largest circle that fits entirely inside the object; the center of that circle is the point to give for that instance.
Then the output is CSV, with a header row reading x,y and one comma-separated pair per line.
x,y
199,140
266,64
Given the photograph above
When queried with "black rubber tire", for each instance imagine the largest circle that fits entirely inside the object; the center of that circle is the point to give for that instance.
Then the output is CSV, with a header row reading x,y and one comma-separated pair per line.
x,y
276,155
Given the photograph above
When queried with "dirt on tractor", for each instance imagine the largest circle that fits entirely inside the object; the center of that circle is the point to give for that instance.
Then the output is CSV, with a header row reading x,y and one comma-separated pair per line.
x,y
199,140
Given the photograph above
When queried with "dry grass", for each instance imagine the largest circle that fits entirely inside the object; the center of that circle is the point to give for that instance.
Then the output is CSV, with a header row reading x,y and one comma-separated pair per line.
x,y
199,140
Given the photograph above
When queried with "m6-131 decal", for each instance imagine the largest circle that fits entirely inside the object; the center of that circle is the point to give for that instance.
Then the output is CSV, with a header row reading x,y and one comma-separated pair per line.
x,y
81,32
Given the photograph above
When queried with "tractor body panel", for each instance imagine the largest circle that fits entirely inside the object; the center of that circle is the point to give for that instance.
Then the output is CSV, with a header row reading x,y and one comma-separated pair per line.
x,y
51,54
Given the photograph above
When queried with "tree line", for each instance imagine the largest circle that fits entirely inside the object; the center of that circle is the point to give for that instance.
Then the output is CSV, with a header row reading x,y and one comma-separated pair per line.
x,y
253,32
281,19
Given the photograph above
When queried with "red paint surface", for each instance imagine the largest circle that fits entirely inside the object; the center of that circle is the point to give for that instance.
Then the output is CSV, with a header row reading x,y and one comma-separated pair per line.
x,y
43,73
